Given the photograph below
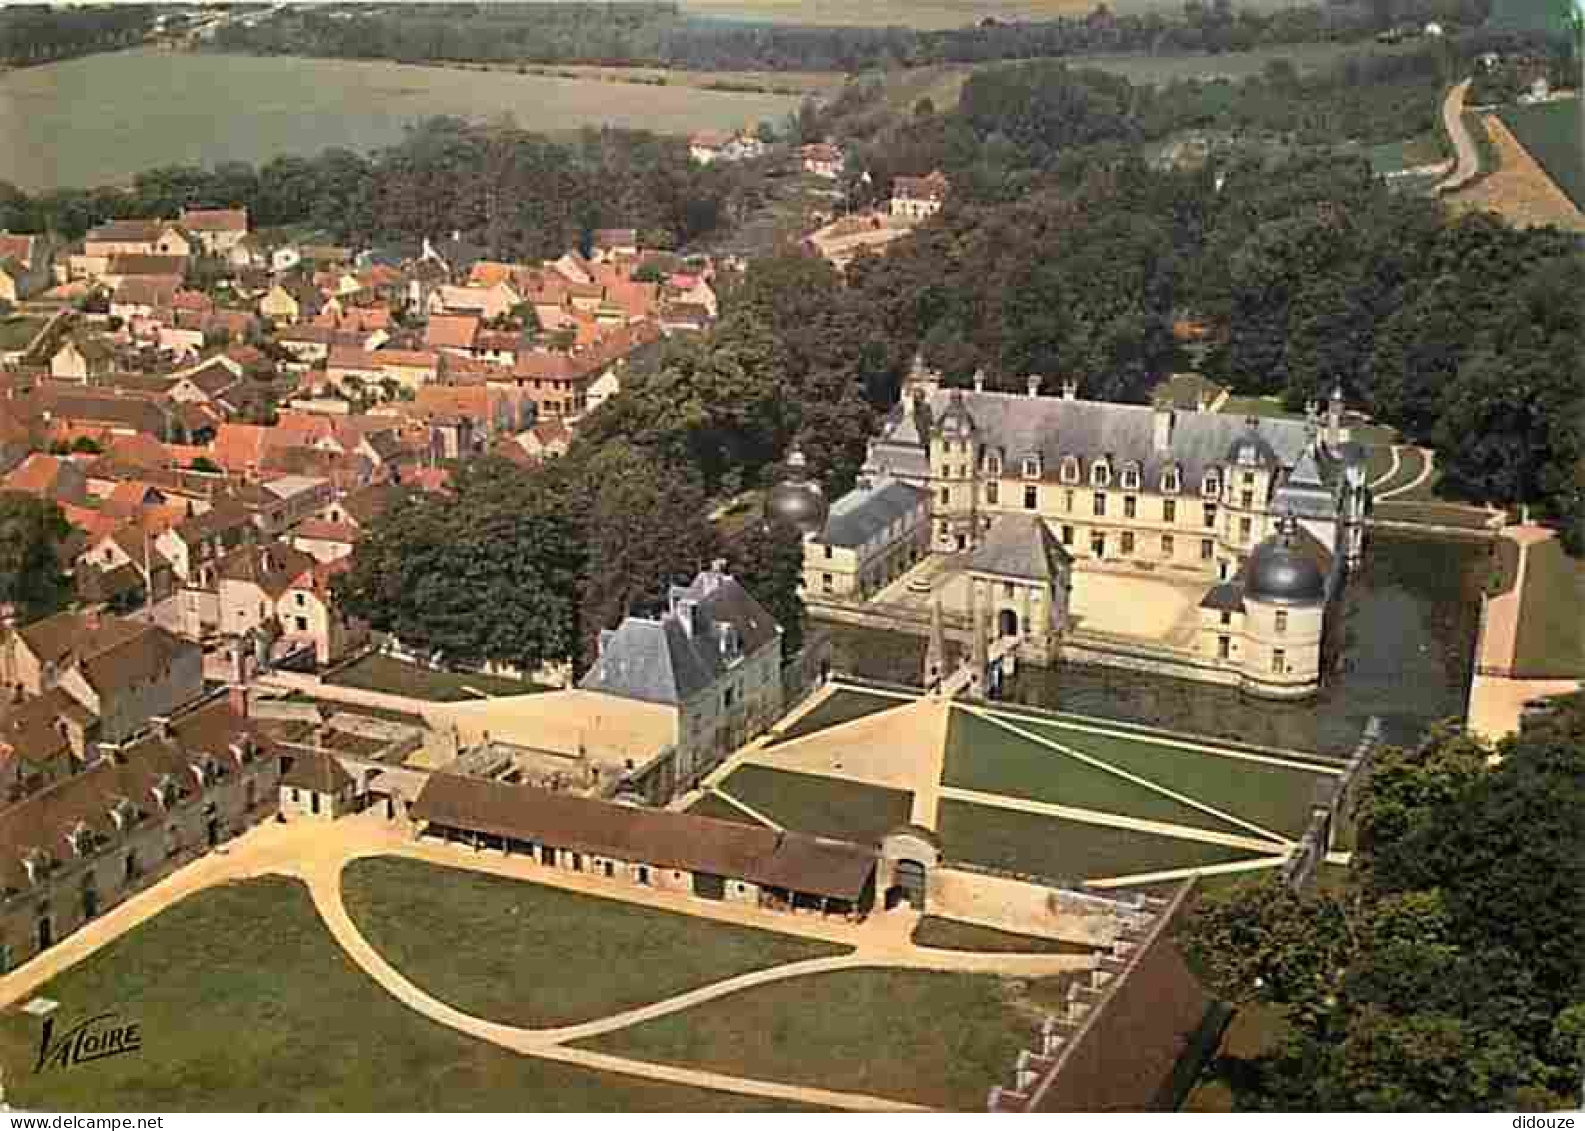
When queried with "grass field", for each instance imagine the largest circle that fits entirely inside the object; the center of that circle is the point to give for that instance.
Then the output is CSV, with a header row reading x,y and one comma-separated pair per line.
x,y
382,673
534,956
1068,851
822,806
949,934
1551,132
17,333
988,758
1405,508
712,806
843,706
922,14
1551,641
245,1003
928,1037
1276,798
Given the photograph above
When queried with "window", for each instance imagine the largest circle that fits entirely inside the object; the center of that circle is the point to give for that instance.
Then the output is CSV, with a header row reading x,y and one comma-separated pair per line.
x,y
643,875
1128,541
1098,544
1171,481
1169,510
993,493
993,463
1130,507
1243,529
825,582
1030,497
1207,549
294,793
1070,470
946,495
1212,485
1167,545
1227,617
302,623
1031,467
726,697
1101,474
1282,621
1067,535
1100,504
1131,478
1249,479
300,599
1210,516
1224,647
1007,590
1279,661
1246,499
828,552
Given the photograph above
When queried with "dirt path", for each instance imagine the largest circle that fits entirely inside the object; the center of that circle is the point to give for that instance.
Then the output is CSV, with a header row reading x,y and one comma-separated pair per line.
x,y
1468,164
1429,466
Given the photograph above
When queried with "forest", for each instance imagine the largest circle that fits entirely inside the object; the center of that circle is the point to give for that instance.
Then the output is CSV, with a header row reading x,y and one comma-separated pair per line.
x,y
43,33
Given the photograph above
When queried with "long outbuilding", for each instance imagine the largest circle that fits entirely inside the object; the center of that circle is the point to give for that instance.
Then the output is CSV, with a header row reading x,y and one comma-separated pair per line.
x,y
700,856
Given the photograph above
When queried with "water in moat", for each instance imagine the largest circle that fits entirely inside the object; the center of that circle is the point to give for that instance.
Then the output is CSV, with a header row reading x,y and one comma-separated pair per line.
x,y
1411,619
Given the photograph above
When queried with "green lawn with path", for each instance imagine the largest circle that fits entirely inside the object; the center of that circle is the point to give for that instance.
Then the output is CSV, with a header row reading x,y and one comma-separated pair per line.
x,y
1551,638
1277,798
951,934
928,1037
987,757
709,805
843,706
394,677
523,954
1068,851
245,1003
823,806
1406,508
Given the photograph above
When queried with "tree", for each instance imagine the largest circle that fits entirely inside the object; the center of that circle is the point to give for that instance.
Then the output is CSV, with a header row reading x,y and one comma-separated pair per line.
x,y
768,560
31,533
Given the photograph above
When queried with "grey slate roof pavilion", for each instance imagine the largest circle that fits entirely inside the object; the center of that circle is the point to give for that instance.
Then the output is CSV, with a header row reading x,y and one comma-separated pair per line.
x,y
864,512
710,625
1020,546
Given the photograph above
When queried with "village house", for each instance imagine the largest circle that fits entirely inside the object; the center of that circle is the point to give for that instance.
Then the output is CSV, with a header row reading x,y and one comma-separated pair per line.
x,y
252,580
82,845
119,268
709,146
83,360
217,230
714,655
43,739
25,266
607,244
136,237
143,296
824,160
919,198
316,786
291,301
49,477
309,618
452,333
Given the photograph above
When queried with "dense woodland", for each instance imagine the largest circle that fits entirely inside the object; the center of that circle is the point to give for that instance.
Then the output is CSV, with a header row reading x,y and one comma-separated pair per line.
x,y
661,35
39,33
522,195
1446,975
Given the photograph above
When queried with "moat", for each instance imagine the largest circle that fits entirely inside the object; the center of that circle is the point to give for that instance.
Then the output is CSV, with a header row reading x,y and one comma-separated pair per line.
x,y
1411,619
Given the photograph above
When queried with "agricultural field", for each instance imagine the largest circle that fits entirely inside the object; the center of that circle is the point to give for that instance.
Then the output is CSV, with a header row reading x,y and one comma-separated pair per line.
x,y
102,118
1520,190
484,944
924,15
1550,131
245,1003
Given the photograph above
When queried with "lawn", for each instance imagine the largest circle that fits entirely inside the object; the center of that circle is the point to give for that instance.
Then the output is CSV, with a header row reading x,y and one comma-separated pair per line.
x,y
1504,566
823,806
1254,1030
710,805
843,706
1551,643
928,1037
988,758
1258,406
534,956
949,934
245,1003
382,673
1431,514
17,333
1276,798
1069,851
1551,132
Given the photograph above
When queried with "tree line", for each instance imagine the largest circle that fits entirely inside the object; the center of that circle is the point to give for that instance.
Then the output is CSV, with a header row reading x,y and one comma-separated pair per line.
x,y
662,35
43,33
1445,974
520,194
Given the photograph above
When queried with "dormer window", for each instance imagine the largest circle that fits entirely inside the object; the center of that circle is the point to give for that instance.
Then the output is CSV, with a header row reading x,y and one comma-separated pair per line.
x,y
165,791
993,463
1070,470
1212,485
1171,481
1031,467
124,814
1131,477
81,838
1100,474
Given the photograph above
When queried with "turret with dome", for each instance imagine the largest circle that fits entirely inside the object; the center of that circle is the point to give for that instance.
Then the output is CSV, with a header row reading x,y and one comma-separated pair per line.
x,y
797,500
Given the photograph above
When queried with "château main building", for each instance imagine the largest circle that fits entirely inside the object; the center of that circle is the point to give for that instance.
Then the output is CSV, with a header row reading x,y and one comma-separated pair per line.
x,y
1234,535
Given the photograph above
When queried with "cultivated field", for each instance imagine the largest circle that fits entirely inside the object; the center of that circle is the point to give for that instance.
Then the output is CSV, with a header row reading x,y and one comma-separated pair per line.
x,y
101,118
245,1003
1550,131
1520,190
922,14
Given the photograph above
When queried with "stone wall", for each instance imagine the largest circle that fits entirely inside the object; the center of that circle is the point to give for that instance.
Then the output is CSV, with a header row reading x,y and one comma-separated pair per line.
x,y
1027,908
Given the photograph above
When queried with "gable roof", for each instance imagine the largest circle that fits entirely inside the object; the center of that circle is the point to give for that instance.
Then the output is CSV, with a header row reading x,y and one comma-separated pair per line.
x,y
456,331
317,772
864,512
215,219
1020,546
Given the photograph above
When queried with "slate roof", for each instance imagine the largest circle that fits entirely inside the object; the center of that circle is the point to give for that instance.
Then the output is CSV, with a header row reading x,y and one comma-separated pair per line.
x,y
1020,546
1227,597
318,772
658,837
862,513
662,660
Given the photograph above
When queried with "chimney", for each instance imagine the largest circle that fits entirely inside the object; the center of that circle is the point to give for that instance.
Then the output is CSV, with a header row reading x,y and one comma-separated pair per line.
x,y
237,698
979,380
1334,417
1202,401
687,614
1032,383
1162,420
1070,389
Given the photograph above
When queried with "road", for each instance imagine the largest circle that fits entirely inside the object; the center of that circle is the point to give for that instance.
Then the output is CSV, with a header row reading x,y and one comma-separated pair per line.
x,y
1468,163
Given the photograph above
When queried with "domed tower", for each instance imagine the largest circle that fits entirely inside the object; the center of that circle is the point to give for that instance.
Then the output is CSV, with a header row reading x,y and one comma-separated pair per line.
x,y
1287,588
797,499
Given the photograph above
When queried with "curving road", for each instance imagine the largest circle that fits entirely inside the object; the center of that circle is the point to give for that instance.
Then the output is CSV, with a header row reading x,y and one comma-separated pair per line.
x,y
1468,164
